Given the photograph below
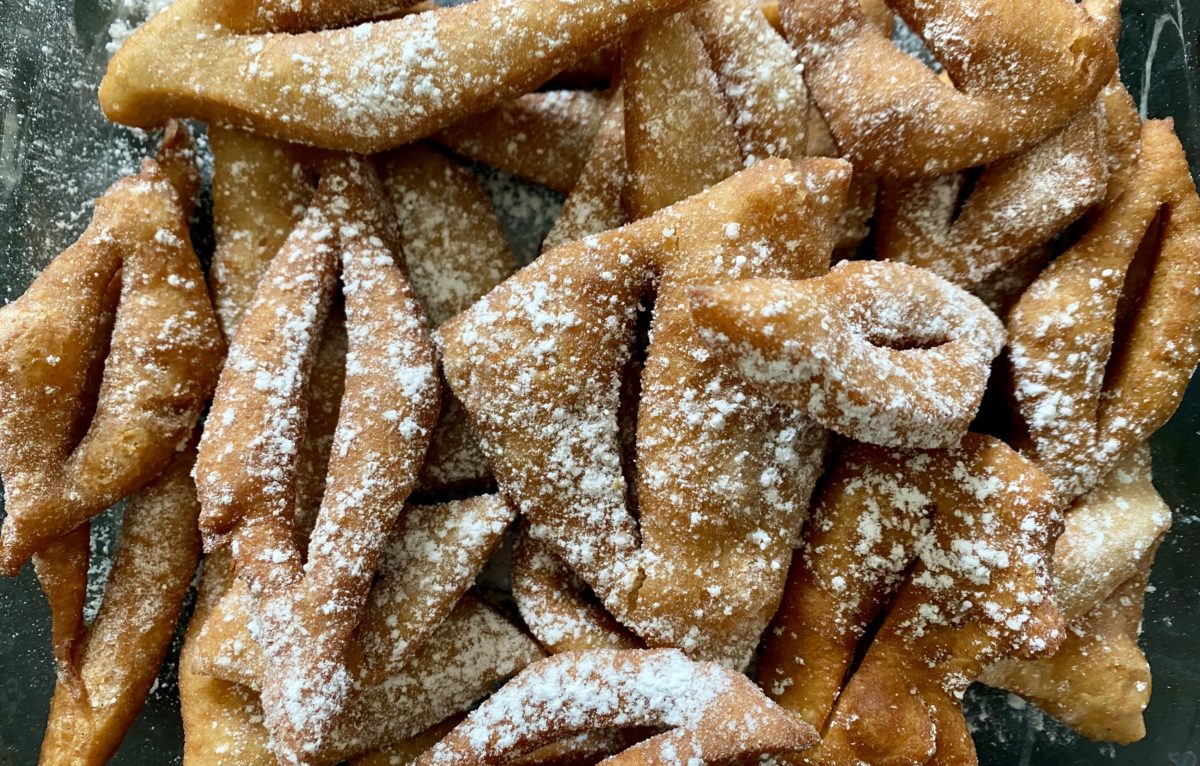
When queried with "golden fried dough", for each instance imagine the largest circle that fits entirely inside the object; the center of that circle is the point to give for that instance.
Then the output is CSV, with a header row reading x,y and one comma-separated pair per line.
x,y
882,352
364,88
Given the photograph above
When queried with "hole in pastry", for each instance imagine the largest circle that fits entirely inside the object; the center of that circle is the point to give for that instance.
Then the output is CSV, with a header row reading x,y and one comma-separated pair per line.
x,y
90,395
631,394
965,189
903,341
1137,281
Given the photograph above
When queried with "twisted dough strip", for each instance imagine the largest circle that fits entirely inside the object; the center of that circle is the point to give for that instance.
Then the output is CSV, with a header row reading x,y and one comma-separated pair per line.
x,y
159,366
1021,69
538,365
260,189
879,511
365,88
246,470
1098,682
978,591
222,721
117,658
1104,342
454,251
541,137
1016,204
713,714
882,352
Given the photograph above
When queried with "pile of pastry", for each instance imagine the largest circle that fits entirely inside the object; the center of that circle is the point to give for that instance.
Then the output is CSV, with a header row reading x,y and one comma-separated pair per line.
x,y
827,397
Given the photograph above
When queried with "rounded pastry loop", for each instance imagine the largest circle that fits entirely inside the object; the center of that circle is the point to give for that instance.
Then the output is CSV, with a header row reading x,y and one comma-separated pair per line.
x,y
1020,68
713,715
885,353
1103,343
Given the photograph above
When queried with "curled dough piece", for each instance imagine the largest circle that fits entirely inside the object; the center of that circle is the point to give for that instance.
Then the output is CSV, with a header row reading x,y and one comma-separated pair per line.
x,y
120,653
881,510
882,352
541,137
1104,341
979,590
1020,70
365,88
67,452
1098,682
246,470
713,715
1016,204
538,363
554,603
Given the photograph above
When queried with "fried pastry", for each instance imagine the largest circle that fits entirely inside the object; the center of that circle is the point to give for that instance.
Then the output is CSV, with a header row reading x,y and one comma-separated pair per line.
x,y
246,470
882,352
1016,204
1020,71
712,714
117,657
979,590
454,252
365,88
222,721
68,452
555,605
679,139
260,189
879,511
961,537
541,137
759,76
1103,343
538,364
1098,682
594,203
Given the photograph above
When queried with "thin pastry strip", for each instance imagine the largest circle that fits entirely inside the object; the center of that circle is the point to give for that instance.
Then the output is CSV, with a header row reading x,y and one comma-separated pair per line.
x,y
979,591
554,604
1104,342
541,137
260,189
366,88
882,352
594,204
120,654
569,318
306,616
222,721
159,366
405,752
678,136
759,76
713,714
1016,204
1021,70
454,252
